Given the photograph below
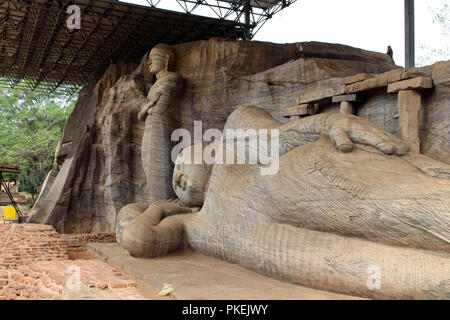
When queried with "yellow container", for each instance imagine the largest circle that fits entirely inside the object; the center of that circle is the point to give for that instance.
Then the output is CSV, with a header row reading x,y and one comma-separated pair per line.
x,y
10,213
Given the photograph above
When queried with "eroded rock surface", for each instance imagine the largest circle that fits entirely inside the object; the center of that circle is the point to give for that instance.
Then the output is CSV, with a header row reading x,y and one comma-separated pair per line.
x,y
352,211
99,163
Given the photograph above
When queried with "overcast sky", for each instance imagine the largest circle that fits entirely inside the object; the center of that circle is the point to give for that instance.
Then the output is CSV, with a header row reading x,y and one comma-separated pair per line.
x,y
366,24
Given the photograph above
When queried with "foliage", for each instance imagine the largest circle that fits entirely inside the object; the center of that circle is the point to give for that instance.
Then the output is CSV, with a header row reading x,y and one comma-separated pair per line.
x,y
30,126
428,55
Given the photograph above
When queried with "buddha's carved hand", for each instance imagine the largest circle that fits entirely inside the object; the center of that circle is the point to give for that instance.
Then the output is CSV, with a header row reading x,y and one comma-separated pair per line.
x,y
171,207
151,102
143,114
345,130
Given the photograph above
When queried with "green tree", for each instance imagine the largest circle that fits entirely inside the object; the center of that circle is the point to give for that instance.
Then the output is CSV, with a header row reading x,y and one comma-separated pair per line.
x,y
428,55
30,125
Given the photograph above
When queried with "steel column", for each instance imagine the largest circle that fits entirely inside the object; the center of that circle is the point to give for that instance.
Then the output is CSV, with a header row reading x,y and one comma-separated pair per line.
x,y
409,34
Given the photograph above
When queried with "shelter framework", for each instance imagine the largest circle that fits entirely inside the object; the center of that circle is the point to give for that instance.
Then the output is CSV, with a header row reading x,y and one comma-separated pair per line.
x,y
252,13
38,51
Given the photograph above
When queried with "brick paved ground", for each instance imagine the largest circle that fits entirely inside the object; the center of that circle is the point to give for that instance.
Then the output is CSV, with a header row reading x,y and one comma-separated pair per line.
x,y
35,264
22,243
47,279
76,243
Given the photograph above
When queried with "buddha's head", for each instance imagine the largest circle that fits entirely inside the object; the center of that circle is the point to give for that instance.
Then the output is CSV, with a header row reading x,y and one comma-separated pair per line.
x,y
190,181
161,58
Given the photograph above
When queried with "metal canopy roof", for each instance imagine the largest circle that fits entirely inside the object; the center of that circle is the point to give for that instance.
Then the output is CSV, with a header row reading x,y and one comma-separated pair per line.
x,y
36,45
252,13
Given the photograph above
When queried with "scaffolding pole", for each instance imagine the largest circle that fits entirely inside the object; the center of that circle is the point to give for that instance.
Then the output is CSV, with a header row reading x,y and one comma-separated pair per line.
x,y
409,34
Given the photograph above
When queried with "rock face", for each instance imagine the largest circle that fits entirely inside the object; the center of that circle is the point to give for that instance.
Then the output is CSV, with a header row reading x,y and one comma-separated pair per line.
x,y
69,196
329,220
347,204
98,166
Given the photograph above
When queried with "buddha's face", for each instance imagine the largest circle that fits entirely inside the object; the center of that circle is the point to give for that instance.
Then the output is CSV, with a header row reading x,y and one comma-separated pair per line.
x,y
157,62
190,181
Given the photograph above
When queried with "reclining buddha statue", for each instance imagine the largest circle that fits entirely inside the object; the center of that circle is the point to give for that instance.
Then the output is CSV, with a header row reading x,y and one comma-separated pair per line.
x,y
350,210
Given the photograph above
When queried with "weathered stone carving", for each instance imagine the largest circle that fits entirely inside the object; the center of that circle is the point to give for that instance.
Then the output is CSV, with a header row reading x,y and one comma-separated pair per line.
x,y
98,167
348,204
158,123
311,222
140,226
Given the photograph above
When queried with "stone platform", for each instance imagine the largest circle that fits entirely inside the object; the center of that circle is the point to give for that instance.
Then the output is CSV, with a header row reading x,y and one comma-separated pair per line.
x,y
199,277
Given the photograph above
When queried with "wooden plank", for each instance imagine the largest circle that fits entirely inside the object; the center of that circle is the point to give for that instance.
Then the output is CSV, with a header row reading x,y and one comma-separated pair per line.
x,y
418,83
9,168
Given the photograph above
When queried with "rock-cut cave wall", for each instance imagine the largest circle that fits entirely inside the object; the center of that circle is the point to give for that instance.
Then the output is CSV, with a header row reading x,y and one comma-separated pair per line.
x,y
98,165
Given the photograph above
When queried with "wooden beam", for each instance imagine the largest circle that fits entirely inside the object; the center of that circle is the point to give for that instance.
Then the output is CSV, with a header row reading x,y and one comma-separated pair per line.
x,y
9,168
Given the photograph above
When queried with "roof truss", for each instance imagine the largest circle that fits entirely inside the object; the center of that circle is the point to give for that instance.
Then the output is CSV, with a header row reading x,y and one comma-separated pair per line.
x,y
39,51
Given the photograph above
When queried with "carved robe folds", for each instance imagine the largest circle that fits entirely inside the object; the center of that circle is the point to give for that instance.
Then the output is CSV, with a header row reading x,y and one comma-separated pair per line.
x,y
158,166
